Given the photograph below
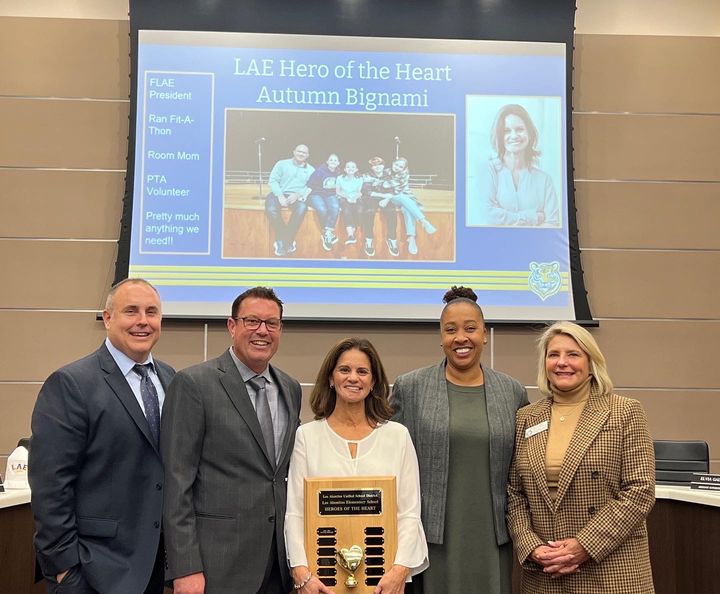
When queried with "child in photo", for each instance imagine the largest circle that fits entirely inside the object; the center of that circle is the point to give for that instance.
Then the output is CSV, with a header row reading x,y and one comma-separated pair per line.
x,y
348,188
402,195
374,193
323,199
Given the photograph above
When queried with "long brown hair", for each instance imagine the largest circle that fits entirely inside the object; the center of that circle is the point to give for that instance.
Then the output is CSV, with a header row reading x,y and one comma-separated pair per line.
x,y
323,397
497,137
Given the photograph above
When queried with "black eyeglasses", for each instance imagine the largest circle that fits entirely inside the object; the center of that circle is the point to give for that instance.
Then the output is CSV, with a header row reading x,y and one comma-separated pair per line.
x,y
253,323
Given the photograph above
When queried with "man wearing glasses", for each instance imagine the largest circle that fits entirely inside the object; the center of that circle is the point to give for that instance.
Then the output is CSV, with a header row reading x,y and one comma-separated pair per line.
x,y
228,430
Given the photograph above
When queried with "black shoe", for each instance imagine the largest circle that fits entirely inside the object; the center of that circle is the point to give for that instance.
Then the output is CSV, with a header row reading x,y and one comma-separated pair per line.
x,y
291,248
279,248
369,249
393,247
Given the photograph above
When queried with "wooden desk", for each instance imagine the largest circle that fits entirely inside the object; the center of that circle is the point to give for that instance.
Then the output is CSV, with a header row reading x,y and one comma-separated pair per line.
x,y
684,534
16,546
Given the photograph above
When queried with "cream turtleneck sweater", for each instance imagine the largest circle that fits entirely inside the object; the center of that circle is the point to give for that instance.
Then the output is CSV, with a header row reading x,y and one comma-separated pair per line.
x,y
566,410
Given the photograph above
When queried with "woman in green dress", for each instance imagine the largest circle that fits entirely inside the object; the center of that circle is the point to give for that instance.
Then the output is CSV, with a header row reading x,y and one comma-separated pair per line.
x,y
461,417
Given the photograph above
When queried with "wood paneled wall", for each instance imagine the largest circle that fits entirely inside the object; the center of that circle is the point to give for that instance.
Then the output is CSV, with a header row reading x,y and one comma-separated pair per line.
x,y
646,132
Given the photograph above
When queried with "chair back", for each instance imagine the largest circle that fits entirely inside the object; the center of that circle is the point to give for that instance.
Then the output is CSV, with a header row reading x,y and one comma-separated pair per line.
x,y
676,461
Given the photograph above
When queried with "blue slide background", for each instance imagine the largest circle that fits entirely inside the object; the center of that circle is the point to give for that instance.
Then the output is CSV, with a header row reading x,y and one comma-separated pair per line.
x,y
208,73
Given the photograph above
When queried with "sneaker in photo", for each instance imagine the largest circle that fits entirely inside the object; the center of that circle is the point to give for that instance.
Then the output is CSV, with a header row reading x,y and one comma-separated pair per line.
x,y
428,226
393,247
326,243
412,245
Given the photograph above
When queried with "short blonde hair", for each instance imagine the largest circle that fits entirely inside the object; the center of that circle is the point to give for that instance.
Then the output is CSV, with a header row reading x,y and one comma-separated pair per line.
x,y
600,379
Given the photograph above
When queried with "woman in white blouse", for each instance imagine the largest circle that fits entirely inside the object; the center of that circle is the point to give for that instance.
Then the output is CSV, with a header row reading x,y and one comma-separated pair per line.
x,y
353,436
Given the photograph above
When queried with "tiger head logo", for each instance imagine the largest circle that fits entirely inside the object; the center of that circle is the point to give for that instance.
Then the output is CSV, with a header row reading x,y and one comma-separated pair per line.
x,y
544,279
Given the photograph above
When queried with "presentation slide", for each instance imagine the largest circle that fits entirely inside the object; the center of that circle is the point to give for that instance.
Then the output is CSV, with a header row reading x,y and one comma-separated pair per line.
x,y
359,177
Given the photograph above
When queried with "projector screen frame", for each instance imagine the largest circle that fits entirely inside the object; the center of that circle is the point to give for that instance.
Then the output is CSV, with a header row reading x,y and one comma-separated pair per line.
x,y
515,20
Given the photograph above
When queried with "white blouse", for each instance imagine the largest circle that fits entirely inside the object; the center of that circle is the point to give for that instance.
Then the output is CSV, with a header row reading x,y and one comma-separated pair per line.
x,y
388,450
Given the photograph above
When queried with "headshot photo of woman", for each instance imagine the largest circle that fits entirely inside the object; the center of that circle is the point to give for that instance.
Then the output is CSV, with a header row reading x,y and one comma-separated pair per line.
x,y
461,416
583,476
353,436
511,189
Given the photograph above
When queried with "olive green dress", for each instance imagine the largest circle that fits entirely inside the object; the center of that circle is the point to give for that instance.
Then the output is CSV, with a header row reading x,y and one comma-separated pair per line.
x,y
469,559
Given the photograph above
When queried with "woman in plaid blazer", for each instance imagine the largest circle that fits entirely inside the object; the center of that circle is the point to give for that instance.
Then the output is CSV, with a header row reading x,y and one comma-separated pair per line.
x,y
582,480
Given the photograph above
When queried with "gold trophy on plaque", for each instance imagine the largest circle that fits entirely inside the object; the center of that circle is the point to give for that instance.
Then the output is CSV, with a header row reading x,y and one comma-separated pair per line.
x,y
349,560
350,530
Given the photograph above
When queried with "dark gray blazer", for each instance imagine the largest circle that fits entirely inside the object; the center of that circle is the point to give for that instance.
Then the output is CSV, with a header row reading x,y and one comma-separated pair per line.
x,y
421,404
96,476
225,499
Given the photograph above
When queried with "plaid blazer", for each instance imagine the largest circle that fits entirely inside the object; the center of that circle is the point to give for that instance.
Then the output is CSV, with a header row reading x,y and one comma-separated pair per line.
x,y
606,489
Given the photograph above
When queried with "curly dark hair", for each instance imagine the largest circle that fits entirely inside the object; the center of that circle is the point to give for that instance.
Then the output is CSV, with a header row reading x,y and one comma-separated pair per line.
x,y
461,295
456,292
323,397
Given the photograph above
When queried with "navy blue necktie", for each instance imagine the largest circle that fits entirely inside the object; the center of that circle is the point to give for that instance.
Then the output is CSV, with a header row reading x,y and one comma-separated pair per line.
x,y
150,399
262,409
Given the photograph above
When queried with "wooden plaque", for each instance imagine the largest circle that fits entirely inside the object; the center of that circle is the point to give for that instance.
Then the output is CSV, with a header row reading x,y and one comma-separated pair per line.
x,y
344,512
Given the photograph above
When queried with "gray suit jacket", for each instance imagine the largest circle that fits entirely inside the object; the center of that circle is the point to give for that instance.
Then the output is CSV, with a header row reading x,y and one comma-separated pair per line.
x,y
96,476
225,499
421,404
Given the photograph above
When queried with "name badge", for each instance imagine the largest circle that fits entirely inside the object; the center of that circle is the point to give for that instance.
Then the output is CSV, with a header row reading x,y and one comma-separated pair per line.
x,y
530,431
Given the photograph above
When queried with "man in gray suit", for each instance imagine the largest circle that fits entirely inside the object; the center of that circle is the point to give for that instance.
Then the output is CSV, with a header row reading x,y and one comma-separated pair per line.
x,y
95,468
227,434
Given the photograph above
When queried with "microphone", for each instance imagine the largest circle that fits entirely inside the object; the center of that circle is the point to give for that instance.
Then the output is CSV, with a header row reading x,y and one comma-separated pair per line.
x,y
397,139
259,140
